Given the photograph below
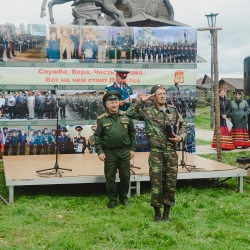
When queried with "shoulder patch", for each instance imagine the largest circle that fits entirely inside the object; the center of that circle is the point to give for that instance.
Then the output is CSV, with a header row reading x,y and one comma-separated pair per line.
x,y
102,115
122,112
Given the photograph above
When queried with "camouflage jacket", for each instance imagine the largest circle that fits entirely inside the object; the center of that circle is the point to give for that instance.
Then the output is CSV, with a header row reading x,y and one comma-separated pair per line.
x,y
155,124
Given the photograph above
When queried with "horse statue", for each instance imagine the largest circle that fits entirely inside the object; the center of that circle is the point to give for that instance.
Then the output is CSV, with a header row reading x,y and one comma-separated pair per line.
x,y
108,7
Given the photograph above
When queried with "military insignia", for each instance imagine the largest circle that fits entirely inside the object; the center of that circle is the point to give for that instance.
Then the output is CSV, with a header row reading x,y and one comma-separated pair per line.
x,y
107,124
179,76
125,126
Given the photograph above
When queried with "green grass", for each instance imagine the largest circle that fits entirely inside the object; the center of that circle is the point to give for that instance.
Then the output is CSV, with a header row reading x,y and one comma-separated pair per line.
x,y
202,119
75,217
228,157
200,142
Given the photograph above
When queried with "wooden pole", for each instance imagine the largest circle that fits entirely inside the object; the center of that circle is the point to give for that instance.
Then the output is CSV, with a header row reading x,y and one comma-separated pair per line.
x,y
216,96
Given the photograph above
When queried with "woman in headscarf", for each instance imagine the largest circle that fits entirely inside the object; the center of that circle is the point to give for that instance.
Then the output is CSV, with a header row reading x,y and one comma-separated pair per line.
x,y
226,139
239,114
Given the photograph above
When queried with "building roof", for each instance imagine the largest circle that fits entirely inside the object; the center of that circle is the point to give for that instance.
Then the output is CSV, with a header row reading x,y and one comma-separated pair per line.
x,y
237,83
205,82
199,59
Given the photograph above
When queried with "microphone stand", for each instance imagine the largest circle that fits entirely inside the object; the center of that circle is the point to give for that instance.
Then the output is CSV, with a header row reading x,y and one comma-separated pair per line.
x,y
131,164
3,200
56,169
182,162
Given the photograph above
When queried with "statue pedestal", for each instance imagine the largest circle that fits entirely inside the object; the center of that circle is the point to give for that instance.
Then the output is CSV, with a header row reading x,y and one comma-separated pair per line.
x,y
87,14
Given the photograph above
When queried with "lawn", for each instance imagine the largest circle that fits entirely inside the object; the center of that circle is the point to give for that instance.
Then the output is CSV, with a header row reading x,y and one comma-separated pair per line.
x,y
202,119
61,217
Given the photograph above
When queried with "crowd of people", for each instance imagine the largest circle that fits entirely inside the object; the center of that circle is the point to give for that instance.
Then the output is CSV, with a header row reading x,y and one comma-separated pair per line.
x,y
238,112
87,105
43,141
167,54
28,105
19,43
70,46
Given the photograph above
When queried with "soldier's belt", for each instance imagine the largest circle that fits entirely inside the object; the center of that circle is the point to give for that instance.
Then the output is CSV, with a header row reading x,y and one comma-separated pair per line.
x,y
118,148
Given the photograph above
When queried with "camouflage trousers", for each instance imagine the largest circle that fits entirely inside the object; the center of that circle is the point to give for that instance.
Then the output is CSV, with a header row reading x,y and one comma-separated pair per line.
x,y
163,171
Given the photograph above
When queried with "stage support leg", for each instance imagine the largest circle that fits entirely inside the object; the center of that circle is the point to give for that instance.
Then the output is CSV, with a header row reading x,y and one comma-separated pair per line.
x,y
138,188
129,189
240,184
11,194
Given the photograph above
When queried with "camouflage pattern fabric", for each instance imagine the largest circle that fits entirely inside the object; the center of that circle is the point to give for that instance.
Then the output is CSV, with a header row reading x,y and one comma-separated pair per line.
x,y
163,159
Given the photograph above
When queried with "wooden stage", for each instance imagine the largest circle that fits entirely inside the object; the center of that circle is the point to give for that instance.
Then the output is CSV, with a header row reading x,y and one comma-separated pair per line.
x,y
87,168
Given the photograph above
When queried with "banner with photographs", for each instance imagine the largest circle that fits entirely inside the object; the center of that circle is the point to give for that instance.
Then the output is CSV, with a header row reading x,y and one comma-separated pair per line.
x,y
37,140
20,42
63,71
84,105
72,139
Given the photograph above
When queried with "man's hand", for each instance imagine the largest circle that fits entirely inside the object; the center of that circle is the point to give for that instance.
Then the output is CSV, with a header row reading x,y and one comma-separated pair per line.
x,y
147,98
176,138
121,103
102,157
132,154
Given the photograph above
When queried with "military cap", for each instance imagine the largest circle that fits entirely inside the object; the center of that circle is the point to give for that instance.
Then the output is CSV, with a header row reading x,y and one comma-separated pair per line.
x,y
153,90
112,95
13,130
122,73
38,131
78,128
5,128
64,129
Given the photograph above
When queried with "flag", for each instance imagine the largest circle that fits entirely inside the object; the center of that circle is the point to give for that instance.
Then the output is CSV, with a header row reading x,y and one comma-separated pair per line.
x,y
2,139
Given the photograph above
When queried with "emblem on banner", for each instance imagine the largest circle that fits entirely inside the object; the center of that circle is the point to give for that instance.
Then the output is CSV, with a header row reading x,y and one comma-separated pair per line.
x,y
179,76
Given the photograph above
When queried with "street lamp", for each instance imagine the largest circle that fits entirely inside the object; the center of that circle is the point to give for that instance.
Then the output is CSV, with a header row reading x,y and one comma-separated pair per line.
x,y
215,107
211,19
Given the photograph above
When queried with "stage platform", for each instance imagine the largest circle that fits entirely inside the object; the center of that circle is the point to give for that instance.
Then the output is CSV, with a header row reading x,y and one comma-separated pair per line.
x,y
87,168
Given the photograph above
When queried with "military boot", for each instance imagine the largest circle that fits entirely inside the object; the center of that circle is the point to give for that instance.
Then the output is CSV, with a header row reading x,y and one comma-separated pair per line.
x,y
166,212
157,214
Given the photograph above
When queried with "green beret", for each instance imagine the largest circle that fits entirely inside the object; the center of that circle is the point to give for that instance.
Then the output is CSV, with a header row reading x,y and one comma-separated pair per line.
x,y
111,95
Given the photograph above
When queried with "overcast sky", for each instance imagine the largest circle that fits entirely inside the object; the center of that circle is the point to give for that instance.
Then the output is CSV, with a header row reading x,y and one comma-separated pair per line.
x,y
233,18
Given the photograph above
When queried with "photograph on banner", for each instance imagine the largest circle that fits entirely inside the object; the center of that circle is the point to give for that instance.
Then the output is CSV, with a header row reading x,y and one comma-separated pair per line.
x,y
141,138
42,104
142,142
94,43
40,140
23,42
190,141
183,99
121,44
165,44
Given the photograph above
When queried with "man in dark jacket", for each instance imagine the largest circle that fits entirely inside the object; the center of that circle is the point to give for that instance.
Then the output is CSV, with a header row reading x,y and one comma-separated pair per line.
x,y
115,143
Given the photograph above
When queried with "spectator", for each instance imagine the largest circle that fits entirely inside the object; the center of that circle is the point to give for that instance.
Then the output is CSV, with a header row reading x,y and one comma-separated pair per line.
x,y
239,113
226,139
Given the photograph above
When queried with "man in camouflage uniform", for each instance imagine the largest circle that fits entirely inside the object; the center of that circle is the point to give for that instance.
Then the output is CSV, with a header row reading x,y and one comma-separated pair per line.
x,y
115,144
163,159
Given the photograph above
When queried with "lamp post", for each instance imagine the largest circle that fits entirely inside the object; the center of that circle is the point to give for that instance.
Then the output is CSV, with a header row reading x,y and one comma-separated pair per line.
x,y
211,19
214,80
